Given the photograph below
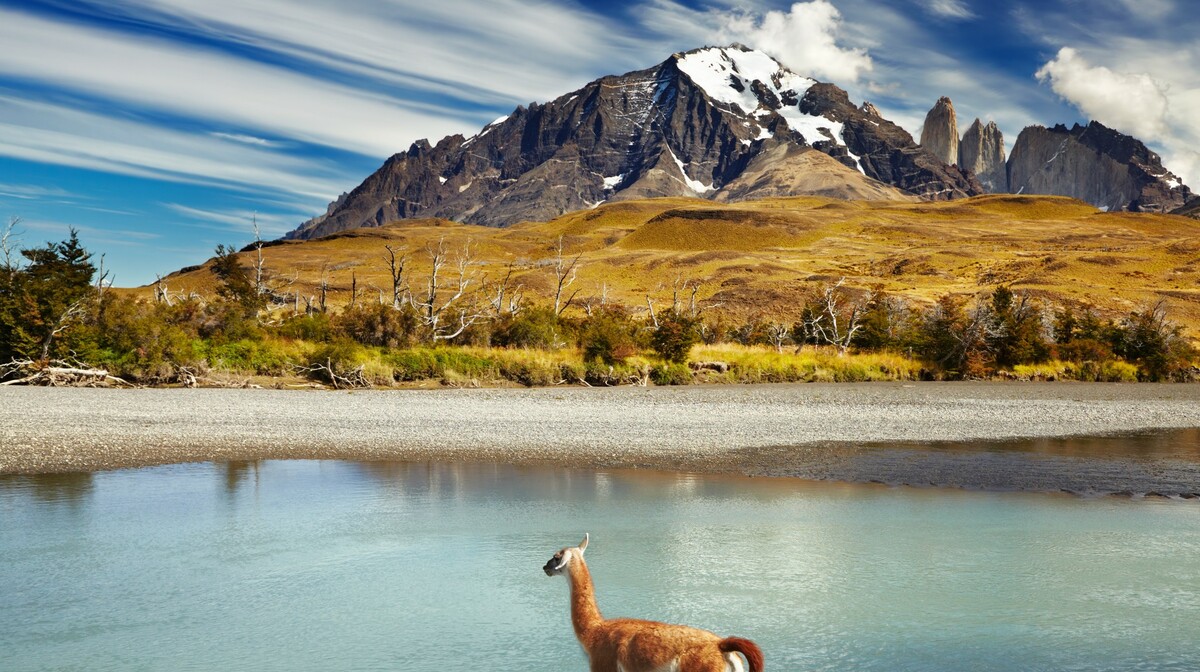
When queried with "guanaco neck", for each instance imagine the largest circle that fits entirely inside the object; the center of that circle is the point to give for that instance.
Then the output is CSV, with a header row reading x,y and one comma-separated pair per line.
x,y
585,615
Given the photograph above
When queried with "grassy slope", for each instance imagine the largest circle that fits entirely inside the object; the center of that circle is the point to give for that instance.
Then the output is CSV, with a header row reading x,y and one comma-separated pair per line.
x,y
757,258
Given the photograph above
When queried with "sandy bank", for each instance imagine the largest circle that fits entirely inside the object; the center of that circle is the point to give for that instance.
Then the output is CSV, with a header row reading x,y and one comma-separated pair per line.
x,y
771,429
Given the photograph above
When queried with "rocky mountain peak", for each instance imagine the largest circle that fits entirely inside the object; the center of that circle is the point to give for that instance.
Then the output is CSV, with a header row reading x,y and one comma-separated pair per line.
x,y
940,132
981,151
1094,163
688,126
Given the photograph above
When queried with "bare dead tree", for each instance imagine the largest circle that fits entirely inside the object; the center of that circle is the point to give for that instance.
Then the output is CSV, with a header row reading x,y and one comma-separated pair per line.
x,y
353,288
650,307
162,293
8,239
779,332
592,302
507,298
446,309
62,323
396,264
565,273
336,376
322,292
260,286
836,319
378,290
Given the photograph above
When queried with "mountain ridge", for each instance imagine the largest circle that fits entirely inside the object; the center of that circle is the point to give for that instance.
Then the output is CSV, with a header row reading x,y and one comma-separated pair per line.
x,y
688,126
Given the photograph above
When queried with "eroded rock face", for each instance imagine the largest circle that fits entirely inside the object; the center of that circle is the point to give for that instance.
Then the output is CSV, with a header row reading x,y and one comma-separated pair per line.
x,y
1096,164
940,133
686,127
981,151
887,152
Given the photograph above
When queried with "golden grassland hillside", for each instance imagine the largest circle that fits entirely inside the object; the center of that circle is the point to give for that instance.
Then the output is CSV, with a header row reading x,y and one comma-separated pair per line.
x,y
758,259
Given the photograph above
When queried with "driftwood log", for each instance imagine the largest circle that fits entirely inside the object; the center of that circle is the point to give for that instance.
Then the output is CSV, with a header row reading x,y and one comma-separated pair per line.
x,y
56,373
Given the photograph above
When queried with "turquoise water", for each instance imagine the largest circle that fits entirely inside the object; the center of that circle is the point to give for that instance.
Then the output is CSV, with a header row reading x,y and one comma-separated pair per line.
x,y
372,566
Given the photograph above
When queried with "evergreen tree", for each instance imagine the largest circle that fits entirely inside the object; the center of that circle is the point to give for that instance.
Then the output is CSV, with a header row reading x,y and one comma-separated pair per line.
x,y
1014,330
236,284
42,299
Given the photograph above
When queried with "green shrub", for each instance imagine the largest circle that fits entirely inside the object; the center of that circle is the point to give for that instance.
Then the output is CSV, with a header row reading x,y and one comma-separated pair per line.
x,y
609,336
377,324
264,358
340,357
674,337
534,328
437,363
671,374
532,373
1147,338
316,328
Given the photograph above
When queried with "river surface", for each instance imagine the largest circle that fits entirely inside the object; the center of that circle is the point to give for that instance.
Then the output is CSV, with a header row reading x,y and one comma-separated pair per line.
x,y
325,565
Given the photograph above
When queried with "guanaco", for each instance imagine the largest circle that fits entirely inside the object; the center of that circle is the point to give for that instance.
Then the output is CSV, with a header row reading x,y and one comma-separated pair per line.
x,y
631,645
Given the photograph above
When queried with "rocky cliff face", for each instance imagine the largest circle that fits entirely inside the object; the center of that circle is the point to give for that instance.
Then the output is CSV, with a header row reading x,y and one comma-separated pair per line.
x,y
886,152
981,152
940,133
686,127
1096,164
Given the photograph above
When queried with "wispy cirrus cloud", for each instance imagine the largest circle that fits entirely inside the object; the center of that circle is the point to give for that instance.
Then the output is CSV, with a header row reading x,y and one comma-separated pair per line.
x,y
34,191
500,52
62,135
948,9
246,139
241,220
150,73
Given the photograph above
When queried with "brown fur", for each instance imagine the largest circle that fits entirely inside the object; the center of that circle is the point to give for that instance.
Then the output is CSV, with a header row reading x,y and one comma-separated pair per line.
x,y
632,645
745,647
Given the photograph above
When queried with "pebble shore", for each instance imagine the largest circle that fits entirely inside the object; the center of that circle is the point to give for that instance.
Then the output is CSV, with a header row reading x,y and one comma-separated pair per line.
x,y
756,430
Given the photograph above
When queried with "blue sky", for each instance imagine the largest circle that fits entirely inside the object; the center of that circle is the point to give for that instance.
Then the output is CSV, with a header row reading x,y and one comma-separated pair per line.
x,y
160,128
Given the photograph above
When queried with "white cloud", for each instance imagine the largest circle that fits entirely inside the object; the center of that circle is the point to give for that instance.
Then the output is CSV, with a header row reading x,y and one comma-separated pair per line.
x,y
499,52
246,139
66,136
33,192
91,234
805,39
950,9
240,220
1131,103
1160,105
207,85
1151,10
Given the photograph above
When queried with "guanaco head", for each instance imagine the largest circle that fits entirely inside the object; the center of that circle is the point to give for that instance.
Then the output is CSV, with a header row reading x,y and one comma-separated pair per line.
x,y
563,558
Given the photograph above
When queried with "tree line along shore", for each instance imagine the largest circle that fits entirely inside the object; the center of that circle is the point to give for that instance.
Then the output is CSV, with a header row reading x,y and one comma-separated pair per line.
x,y
61,323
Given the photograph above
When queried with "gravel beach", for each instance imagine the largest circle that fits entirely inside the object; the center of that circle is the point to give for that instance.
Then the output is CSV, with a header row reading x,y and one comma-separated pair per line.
x,y
892,433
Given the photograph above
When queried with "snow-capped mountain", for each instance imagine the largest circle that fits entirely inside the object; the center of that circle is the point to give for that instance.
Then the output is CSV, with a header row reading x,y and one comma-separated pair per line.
x,y
698,124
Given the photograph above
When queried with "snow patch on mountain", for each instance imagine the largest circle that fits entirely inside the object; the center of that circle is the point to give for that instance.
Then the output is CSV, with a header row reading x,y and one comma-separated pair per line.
x,y
612,182
728,74
695,185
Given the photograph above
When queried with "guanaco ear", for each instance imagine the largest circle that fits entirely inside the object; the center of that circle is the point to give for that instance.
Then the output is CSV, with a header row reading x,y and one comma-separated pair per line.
x,y
583,546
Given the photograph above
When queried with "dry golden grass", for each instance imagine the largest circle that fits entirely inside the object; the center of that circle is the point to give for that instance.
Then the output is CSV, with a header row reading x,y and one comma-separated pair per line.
x,y
759,258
